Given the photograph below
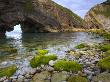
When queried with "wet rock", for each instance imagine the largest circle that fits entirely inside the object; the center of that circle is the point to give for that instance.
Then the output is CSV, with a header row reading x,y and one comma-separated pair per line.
x,y
32,71
49,68
41,77
4,63
59,77
20,78
14,77
103,77
28,76
3,78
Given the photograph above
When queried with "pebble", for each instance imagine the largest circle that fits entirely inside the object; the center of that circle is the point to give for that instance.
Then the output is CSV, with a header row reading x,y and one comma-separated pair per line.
x,y
20,78
25,72
51,63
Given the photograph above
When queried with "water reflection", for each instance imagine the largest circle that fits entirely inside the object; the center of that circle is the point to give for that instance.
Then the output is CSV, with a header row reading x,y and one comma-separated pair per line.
x,y
55,42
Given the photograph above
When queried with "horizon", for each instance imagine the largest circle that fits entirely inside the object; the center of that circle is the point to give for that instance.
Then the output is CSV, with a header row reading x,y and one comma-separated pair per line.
x,y
78,7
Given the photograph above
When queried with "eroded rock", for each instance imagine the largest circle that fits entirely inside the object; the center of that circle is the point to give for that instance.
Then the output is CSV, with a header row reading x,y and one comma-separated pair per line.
x,y
37,16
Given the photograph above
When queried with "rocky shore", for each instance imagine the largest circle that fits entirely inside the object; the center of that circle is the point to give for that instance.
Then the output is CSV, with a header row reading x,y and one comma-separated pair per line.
x,y
87,56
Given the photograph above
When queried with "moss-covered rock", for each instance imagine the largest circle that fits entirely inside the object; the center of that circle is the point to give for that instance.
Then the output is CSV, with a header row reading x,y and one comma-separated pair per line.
x,y
104,64
8,71
59,76
105,47
108,52
106,36
105,54
38,60
77,79
80,46
42,52
63,65
41,77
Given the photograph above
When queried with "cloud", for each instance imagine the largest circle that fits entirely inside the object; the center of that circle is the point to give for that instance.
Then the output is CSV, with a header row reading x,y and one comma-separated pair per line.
x,y
80,7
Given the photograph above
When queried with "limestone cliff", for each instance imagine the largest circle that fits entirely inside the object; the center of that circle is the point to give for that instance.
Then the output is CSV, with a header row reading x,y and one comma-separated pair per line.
x,y
99,16
37,16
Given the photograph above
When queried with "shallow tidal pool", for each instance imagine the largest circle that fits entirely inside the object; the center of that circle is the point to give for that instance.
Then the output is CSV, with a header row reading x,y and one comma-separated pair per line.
x,y
17,45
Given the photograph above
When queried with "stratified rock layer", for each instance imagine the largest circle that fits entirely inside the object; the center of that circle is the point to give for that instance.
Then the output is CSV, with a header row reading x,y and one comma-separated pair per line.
x,y
37,16
99,16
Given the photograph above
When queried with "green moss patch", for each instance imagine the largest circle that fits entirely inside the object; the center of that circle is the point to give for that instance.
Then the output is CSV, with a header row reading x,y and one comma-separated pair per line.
x,y
38,60
104,64
80,46
42,52
105,47
8,71
106,36
106,54
77,79
63,65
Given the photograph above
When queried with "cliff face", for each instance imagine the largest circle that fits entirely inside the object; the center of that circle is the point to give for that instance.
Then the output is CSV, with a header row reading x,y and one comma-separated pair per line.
x,y
99,16
37,16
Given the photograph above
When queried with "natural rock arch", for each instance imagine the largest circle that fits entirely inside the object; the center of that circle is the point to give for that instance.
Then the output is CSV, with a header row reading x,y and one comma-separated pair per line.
x,y
36,16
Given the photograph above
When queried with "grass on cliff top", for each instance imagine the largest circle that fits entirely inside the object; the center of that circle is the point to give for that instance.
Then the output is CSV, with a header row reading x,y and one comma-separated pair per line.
x,y
105,12
8,71
39,60
77,79
68,11
104,64
63,65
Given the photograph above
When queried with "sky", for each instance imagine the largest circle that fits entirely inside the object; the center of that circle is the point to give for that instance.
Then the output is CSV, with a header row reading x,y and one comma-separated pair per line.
x,y
80,7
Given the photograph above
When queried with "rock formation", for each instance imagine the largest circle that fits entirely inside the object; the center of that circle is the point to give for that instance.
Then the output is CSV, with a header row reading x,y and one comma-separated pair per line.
x,y
99,16
37,16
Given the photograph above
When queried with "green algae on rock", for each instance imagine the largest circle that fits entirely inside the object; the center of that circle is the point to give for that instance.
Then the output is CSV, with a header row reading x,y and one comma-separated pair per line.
x,y
105,47
80,46
77,79
62,65
42,52
104,64
8,71
38,60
